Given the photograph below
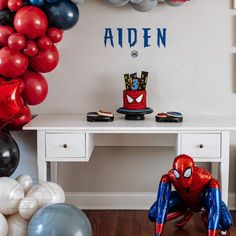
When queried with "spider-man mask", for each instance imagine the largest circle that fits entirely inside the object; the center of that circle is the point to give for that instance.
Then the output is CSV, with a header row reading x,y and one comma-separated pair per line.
x,y
183,170
134,100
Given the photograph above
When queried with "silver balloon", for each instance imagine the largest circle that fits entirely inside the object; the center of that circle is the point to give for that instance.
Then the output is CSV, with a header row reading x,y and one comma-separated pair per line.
x,y
77,1
145,5
136,1
173,4
117,3
59,220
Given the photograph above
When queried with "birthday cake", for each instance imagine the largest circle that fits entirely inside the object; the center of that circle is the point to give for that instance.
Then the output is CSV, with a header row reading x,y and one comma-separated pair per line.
x,y
134,96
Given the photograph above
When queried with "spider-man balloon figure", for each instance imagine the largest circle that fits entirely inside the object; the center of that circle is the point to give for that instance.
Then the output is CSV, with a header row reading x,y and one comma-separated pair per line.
x,y
196,191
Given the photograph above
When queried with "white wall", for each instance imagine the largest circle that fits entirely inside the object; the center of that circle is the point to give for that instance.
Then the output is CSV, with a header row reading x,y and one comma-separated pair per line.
x,y
194,75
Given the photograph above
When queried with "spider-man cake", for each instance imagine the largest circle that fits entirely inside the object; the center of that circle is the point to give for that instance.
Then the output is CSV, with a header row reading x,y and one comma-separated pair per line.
x,y
134,100
134,97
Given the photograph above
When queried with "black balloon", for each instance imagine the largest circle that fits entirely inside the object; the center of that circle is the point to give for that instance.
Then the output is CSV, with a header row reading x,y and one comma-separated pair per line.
x,y
6,17
9,155
62,14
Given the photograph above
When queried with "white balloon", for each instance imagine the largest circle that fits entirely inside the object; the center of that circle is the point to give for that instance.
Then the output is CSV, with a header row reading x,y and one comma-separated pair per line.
x,y
26,182
3,225
17,226
47,193
173,4
117,3
10,195
28,207
145,5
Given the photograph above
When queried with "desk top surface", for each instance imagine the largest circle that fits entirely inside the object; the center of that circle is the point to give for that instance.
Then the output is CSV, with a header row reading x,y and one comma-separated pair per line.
x,y
79,123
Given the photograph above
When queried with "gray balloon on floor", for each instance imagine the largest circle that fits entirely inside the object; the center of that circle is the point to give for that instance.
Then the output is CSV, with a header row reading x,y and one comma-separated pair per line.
x,y
145,5
117,3
59,220
173,4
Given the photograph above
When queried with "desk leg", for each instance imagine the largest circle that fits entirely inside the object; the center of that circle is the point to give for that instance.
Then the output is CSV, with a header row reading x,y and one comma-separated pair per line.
x,y
41,157
224,168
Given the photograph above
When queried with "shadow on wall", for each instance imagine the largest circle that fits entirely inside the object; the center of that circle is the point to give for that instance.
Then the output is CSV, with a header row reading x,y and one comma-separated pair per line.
x,y
27,142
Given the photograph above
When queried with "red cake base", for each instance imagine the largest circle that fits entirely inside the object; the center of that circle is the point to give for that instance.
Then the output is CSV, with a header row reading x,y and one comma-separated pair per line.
x,y
134,100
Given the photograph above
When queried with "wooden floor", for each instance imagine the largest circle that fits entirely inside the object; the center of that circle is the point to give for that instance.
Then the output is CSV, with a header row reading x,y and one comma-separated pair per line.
x,y
136,223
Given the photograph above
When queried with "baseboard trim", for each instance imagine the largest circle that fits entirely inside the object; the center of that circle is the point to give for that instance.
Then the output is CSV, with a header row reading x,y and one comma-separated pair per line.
x,y
120,201
232,201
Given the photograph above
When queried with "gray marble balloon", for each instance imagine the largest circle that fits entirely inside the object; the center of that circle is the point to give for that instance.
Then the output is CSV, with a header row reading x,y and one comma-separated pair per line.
x,y
145,5
59,220
77,1
173,4
117,3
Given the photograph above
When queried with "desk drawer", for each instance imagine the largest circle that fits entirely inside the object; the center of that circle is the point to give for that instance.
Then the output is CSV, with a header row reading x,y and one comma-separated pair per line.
x,y
65,145
201,145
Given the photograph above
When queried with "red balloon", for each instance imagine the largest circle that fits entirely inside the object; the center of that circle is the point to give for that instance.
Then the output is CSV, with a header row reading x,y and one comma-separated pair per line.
x,y
55,34
45,61
2,79
11,103
18,123
12,63
31,49
44,43
3,4
36,88
16,41
5,32
31,22
15,5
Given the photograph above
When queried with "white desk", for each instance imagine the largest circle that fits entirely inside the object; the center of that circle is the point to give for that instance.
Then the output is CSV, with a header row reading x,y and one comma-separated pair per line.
x,y
71,139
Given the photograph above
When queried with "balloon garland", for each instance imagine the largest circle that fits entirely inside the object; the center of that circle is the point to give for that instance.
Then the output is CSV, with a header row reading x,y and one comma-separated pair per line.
x,y
144,5
29,32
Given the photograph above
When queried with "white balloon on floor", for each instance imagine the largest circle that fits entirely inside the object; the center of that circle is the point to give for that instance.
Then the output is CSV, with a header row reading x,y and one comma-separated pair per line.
x,y
17,226
26,182
47,193
3,225
10,195
28,207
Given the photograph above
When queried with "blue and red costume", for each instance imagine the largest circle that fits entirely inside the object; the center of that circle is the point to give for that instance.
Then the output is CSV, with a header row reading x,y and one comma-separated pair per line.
x,y
196,191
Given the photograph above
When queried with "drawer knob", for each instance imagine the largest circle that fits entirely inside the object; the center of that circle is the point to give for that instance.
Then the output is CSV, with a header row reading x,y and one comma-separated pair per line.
x,y
65,145
201,146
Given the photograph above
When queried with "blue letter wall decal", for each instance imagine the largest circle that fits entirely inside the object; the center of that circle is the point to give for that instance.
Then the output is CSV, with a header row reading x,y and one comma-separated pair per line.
x,y
120,37
132,37
161,37
146,37
108,36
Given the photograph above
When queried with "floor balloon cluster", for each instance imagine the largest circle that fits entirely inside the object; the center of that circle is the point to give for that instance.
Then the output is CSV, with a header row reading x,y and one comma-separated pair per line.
x,y
29,31
27,209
